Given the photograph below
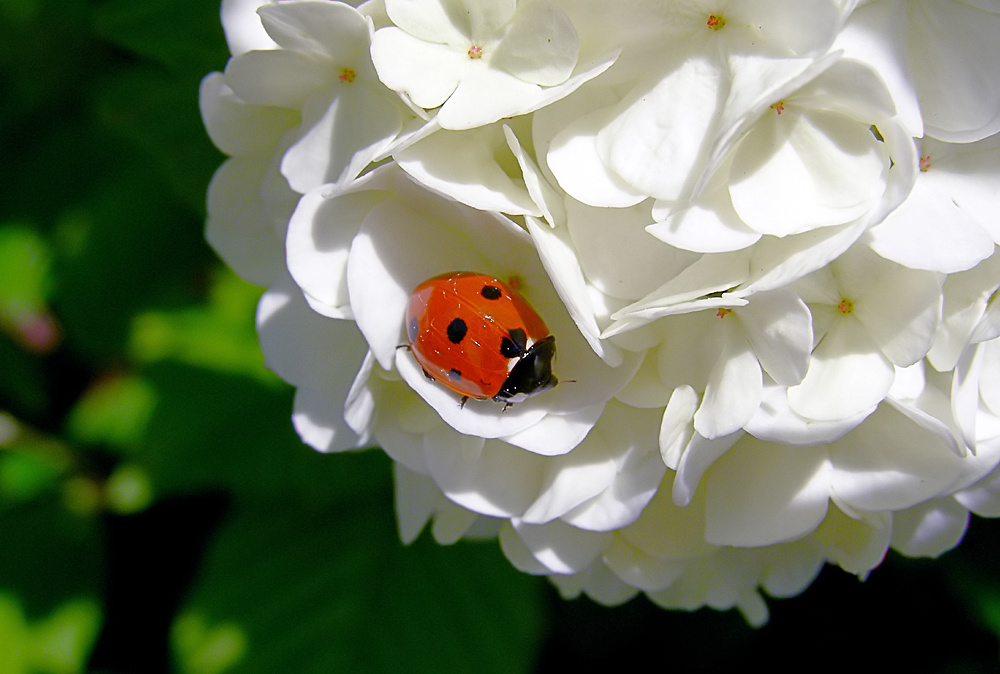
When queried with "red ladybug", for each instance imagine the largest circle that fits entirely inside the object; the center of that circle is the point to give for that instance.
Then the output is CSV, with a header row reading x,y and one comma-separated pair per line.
x,y
477,336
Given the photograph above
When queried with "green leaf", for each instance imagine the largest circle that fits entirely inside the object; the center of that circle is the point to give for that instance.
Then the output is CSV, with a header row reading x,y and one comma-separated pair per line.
x,y
184,35
158,114
29,467
114,412
25,262
49,555
128,248
333,590
57,644
212,430
217,336
23,383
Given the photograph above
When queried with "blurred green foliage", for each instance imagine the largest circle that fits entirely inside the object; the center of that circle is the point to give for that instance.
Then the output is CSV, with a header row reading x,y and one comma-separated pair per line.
x,y
158,513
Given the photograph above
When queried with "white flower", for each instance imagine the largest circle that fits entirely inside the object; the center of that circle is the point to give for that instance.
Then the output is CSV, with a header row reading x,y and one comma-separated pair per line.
x,y
870,315
937,56
762,233
947,223
481,59
298,106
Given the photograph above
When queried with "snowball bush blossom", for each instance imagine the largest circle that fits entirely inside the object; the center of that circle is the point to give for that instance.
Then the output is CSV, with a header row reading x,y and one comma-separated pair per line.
x,y
764,234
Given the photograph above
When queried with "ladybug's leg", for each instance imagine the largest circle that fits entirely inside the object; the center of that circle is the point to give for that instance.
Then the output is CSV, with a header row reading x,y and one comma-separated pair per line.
x,y
427,374
465,399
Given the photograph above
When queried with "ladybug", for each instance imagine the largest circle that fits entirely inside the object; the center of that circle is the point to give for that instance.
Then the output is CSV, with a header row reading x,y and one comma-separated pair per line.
x,y
475,335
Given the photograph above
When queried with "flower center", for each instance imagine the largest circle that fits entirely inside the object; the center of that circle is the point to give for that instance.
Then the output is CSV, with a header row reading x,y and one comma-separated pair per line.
x,y
925,163
716,21
347,75
846,306
475,52
778,107
723,312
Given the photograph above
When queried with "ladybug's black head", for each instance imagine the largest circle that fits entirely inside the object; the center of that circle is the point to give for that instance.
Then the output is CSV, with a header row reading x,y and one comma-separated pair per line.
x,y
531,374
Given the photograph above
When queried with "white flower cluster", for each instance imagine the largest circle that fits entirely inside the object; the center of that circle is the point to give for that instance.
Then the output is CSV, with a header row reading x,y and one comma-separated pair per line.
x,y
764,233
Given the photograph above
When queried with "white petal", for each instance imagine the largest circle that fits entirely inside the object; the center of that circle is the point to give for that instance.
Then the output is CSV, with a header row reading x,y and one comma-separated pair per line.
x,y
659,140
733,391
361,403
901,310
801,170
890,463
320,234
428,73
698,457
640,570
343,132
779,327
560,547
291,335
776,262
952,48
638,471
573,479
317,354
557,433
280,78
676,427
646,389
787,498
847,375
929,529
563,267
435,20
497,480
775,421
417,498
548,200
238,227
486,95
876,34
571,150
930,231
540,46
242,26
333,29
855,545
983,498
685,524
517,553
799,565
648,264
621,503
989,385
462,165
710,225
969,174
779,28
236,127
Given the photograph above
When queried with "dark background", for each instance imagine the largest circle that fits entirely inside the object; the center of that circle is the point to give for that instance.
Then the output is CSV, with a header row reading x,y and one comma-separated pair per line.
x,y
157,511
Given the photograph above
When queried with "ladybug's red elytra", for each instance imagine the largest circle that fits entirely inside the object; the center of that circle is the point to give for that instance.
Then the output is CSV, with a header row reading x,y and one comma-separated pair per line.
x,y
477,336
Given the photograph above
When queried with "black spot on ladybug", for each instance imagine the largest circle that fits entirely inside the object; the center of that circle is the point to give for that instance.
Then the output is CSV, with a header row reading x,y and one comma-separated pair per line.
x,y
456,331
412,330
454,374
515,344
520,338
491,292
508,349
